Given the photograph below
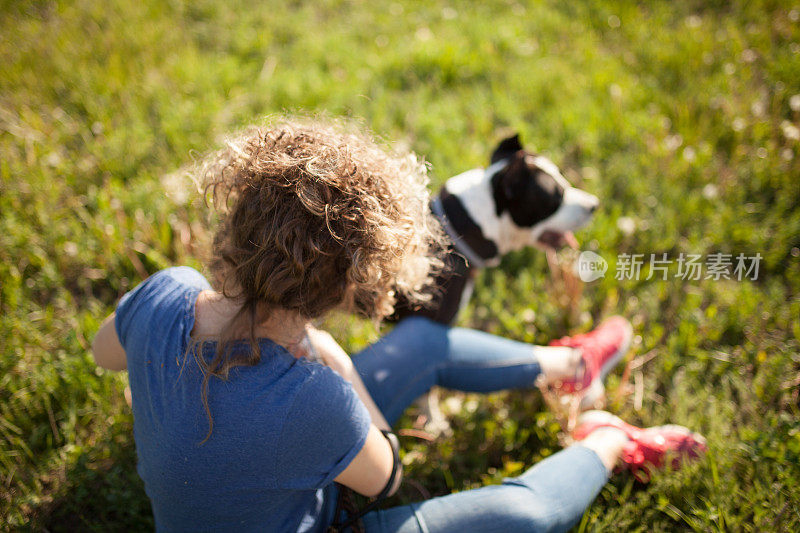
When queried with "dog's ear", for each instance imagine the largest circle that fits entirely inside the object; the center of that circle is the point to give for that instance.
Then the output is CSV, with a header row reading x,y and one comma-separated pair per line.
x,y
509,183
507,148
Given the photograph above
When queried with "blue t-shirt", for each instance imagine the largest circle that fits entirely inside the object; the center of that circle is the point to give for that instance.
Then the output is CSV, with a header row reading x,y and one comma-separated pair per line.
x,y
283,429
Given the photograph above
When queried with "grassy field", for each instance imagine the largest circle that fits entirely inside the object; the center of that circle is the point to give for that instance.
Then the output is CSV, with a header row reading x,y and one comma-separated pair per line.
x,y
681,116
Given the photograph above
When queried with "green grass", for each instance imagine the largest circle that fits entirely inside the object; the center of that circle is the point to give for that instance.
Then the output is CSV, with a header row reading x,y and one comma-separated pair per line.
x,y
677,114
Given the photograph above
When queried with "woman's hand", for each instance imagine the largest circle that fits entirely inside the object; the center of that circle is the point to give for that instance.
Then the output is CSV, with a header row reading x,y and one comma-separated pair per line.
x,y
331,353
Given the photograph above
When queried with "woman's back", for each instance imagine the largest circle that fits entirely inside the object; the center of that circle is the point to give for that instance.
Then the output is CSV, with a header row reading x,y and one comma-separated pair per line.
x,y
283,429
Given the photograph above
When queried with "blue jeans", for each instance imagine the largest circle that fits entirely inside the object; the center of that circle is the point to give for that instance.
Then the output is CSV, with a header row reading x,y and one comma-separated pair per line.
x,y
418,354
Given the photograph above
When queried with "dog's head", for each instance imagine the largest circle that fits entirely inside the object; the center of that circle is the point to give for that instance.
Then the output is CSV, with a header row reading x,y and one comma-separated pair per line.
x,y
540,202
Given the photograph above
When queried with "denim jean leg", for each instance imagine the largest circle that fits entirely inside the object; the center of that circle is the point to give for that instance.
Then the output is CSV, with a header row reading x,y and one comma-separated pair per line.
x,y
419,353
551,496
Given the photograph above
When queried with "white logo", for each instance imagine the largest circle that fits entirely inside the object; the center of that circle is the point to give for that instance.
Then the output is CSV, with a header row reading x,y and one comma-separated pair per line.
x,y
591,266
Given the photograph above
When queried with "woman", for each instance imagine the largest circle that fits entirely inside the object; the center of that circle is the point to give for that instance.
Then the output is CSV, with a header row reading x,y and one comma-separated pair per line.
x,y
238,428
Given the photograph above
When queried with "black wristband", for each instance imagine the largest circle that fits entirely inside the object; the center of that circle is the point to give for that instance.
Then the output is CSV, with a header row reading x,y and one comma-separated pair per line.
x,y
394,443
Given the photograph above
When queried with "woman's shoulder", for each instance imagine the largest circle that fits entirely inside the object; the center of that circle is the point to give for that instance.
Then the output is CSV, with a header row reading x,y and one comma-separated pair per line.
x,y
324,428
315,390
183,275
177,277
328,399
158,300
311,380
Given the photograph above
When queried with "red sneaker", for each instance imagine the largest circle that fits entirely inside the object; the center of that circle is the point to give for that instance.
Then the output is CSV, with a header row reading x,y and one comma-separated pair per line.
x,y
647,448
602,348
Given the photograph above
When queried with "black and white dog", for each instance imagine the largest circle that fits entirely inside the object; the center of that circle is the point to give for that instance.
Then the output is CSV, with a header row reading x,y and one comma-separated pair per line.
x,y
520,200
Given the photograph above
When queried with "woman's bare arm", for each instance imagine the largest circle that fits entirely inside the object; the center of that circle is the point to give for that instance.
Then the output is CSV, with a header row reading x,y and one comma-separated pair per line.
x,y
370,470
106,348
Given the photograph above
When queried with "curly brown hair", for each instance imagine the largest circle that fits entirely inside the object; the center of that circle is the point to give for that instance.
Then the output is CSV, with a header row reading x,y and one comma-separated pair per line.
x,y
315,215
